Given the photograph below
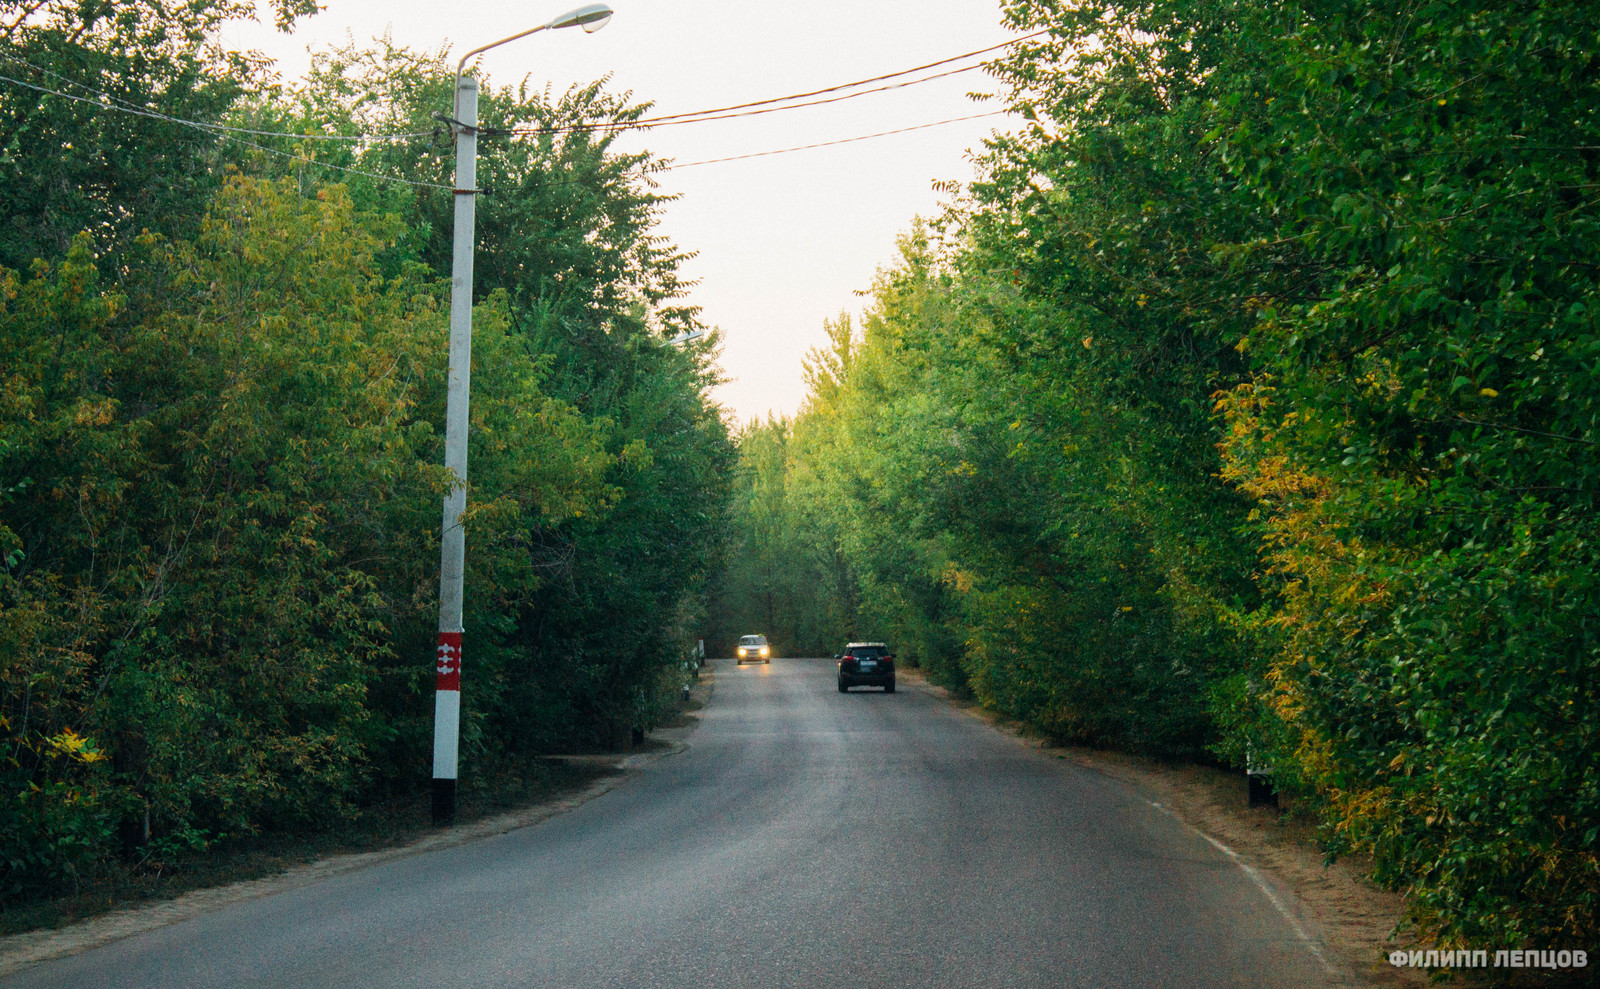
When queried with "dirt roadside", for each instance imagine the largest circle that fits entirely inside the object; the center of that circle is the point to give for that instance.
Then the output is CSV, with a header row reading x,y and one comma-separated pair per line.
x,y
20,951
1353,916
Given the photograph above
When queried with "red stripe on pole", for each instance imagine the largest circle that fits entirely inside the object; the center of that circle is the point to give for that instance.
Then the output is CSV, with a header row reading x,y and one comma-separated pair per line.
x,y
448,666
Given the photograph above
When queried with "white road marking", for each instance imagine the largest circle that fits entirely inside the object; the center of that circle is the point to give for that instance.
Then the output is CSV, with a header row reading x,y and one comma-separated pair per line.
x,y
1311,944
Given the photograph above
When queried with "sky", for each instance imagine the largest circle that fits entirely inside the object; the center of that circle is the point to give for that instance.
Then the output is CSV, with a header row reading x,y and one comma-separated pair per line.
x,y
782,242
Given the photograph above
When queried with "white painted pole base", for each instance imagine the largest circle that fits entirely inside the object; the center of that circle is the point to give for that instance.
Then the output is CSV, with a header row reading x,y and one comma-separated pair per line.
x,y
447,730
446,736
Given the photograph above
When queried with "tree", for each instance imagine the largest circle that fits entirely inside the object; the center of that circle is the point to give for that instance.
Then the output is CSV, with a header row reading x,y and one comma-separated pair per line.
x,y
71,161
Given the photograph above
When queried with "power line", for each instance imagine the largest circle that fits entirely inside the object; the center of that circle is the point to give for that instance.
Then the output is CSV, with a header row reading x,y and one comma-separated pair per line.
x,y
844,140
730,112
71,82
649,123
859,82
342,168
110,102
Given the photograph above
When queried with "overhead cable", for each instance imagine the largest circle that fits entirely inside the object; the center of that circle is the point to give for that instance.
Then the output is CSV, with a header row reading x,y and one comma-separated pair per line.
x,y
728,112
109,102
342,168
860,82
649,123
843,140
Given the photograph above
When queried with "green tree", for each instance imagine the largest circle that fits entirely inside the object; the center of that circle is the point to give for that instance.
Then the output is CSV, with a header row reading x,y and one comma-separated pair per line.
x,y
71,164
220,474
236,496
566,233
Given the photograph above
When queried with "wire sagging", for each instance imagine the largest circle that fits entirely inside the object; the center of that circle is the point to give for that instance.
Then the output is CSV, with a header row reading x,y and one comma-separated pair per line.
x,y
771,105
842,140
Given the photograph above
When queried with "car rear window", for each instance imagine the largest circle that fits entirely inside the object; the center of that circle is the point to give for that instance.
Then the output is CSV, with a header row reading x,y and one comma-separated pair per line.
x,y
866,652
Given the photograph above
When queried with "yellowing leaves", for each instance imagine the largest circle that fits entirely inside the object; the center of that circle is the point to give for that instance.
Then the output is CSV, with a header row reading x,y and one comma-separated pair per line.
x,y
74,746
954,577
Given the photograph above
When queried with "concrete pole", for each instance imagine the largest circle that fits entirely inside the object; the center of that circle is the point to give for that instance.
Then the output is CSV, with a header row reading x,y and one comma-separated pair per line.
x,y
453,545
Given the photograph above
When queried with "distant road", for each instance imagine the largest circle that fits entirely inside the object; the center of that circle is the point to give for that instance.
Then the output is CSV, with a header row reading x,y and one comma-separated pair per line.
x,y
807,839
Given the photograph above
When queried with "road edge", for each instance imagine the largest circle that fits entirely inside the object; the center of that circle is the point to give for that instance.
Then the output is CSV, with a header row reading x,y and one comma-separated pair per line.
x,y
30,948
1320,890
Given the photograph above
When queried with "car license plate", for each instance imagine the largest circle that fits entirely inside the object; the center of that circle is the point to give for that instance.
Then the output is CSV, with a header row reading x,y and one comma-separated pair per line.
x,y
868,665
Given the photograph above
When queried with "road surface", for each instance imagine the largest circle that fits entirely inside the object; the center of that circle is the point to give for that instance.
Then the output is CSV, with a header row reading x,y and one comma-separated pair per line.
x,y
807,838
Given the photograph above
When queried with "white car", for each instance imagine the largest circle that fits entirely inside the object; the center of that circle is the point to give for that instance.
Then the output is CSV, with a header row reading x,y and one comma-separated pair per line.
x,y
753,648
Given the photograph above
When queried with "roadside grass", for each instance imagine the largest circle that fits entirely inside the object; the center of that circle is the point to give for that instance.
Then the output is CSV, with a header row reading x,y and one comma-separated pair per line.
x,y
390,824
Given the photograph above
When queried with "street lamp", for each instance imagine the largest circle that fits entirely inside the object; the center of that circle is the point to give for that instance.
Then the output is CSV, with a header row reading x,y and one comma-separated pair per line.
x,y
591,17
452,555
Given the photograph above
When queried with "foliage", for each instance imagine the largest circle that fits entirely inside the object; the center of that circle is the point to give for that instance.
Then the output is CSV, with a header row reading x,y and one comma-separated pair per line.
x,y
783,579
565,233
67,165
221,482
1245,405
230,508
1421,437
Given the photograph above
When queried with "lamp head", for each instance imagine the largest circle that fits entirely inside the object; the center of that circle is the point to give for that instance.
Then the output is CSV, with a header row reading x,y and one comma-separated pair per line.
x,y
685,338
592,17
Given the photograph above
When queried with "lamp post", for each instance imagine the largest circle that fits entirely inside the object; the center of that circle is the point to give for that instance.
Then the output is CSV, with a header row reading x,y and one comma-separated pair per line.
x,y
452,554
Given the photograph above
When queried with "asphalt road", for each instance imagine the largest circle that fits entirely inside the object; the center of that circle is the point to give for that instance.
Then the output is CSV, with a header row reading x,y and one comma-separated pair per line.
x,y
807,838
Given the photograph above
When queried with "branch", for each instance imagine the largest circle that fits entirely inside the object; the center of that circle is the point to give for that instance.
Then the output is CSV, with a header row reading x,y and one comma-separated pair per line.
x,y
1521,429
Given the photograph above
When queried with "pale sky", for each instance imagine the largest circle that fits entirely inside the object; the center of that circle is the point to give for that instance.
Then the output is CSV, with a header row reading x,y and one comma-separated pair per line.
x,y
783,242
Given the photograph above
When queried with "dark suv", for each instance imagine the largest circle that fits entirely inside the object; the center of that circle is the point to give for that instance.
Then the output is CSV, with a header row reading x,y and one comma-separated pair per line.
x,y
866,664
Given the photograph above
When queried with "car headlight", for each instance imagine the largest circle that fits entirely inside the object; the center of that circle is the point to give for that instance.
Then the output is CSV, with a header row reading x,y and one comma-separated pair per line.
x,y
765,651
